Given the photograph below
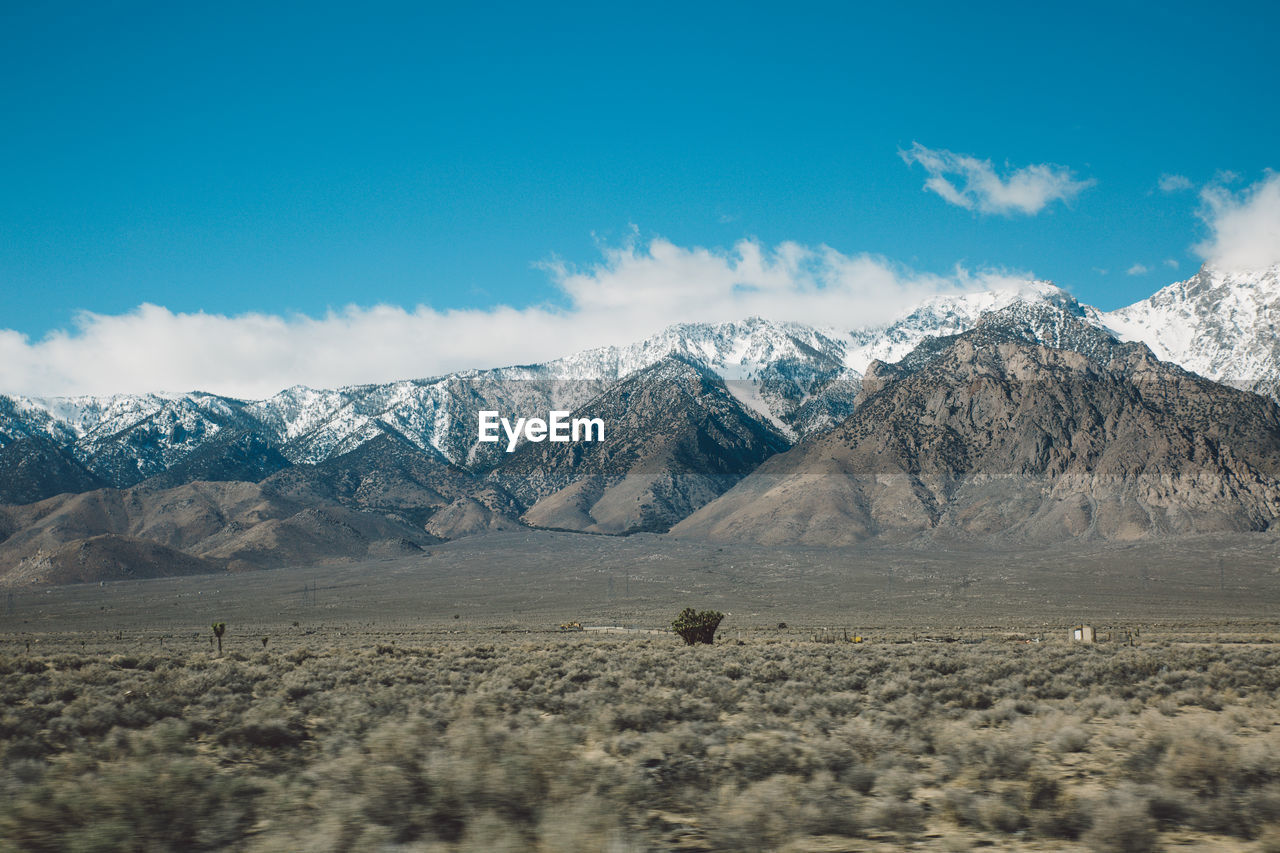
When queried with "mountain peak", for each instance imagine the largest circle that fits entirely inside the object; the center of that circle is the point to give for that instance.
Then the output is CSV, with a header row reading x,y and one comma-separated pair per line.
x,y
1222,324
1057,324
997,434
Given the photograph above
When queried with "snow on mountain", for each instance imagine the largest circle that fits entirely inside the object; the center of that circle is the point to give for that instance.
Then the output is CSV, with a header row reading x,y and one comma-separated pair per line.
x,y
296,411
21,418
759,359
79,415
1218,323
771,367
732,350
948,314
800,379
136,438
436,415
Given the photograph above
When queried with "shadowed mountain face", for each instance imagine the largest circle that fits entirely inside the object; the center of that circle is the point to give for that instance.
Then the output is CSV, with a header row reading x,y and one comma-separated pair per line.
x,y
34,468
390,476
989,433
230,455
387,474
676,438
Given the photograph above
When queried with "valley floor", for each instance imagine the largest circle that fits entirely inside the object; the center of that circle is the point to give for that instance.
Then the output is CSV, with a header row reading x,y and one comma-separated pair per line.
x,y
350,710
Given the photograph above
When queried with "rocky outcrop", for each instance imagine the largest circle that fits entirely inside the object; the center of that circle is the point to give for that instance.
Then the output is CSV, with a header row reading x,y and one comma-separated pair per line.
x,y
991,433
676,438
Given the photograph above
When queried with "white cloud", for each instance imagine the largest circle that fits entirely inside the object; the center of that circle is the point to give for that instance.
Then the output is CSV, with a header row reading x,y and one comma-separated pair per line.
x,y
635,290
1244,226
1174,183
1137,269
1171,263
974,184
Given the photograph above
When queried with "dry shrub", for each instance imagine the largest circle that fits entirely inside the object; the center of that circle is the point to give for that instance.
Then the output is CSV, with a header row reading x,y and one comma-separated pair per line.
x,y
999,815
897,783
961,806
493,742
903,816
1070,739
1068,817
155,803
767,814
1122,824
1269,839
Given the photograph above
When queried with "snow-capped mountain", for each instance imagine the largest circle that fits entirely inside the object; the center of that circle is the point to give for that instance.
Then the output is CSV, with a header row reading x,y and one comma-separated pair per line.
x,y
1223,325
992,434
695,409
800,380
949,314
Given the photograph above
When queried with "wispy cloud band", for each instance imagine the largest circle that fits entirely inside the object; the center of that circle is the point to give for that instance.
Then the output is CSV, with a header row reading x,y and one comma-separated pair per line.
x,y
974,184
636,289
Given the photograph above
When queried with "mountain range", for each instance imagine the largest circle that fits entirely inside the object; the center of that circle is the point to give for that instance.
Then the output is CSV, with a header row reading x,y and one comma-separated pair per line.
x,y
1017,412
992,432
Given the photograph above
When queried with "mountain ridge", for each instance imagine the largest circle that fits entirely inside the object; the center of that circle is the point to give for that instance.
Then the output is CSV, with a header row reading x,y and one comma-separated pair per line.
x,y
1221,324
994,433
799,379
700,409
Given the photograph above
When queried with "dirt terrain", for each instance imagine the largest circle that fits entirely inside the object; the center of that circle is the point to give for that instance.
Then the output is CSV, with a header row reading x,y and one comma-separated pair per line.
x,y
431,703
536,579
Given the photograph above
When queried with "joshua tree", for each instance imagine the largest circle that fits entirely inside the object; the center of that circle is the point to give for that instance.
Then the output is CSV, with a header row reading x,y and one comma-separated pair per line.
x,y
219,628
695,627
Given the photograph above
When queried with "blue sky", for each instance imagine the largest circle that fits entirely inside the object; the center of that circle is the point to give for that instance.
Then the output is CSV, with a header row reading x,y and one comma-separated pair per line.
x,y
296,159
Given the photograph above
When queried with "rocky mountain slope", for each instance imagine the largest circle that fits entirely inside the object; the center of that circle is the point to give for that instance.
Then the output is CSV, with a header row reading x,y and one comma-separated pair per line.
x,y
1015,412
33,468
387,475
137,532
992,433
676,438
1221,324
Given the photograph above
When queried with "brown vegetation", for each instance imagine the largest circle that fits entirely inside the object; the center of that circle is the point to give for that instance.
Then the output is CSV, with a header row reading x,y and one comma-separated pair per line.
x,y
569,742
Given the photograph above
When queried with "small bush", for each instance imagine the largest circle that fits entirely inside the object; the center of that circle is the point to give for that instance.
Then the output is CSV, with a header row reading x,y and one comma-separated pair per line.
x,y
1070,739
897,816
697,626
1069,817
1123,825
1000,816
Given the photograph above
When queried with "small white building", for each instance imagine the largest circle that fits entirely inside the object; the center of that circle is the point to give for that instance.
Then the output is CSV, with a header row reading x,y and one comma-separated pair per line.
x,y
1083,634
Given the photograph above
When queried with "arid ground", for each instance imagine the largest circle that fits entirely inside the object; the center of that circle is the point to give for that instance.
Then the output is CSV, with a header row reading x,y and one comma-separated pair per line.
x,y
431,703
